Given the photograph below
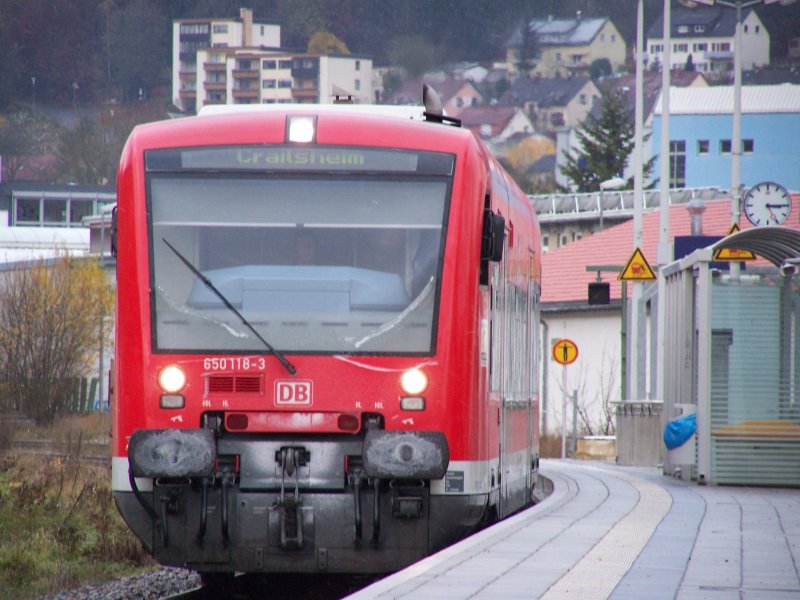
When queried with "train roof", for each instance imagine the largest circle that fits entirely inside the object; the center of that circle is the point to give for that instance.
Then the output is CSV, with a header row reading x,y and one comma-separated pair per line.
x,y
384,126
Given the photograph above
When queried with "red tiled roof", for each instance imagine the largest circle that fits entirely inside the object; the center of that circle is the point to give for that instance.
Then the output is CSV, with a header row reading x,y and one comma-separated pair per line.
x,y
564,274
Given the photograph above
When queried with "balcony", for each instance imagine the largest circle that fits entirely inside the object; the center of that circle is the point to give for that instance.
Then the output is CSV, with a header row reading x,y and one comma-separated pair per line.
x,y
304,93
245,94
214,85
719,55
214,66
188,93
245,73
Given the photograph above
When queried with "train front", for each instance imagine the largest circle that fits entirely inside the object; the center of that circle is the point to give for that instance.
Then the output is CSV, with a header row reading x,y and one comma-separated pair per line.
x,y
276,350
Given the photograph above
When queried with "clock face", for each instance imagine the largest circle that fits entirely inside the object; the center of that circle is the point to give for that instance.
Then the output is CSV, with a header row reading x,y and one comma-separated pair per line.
x,y
767,204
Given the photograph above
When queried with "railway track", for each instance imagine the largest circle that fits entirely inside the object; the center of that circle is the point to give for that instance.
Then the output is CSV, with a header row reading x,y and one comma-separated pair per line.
x,y
97,452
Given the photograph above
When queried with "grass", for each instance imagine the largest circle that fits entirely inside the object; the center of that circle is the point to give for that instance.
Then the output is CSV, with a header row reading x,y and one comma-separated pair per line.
x,y
58,523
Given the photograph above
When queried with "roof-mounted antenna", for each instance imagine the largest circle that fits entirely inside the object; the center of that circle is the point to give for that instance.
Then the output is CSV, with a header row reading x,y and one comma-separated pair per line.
x,y
433,107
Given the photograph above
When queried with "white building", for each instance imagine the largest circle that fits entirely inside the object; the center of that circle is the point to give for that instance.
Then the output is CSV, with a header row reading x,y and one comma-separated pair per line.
x,y
239,61
705,35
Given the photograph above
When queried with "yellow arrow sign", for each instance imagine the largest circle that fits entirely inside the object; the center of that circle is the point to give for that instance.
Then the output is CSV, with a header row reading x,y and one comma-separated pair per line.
x,y
732,254
637,269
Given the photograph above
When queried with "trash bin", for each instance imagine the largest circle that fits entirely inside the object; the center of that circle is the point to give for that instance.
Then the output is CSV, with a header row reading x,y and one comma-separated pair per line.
x,y
683,454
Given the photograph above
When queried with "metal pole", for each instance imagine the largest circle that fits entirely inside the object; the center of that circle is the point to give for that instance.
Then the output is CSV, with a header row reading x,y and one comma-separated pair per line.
x,y
637,197
736,141
623,384
564,412
573,443
663,209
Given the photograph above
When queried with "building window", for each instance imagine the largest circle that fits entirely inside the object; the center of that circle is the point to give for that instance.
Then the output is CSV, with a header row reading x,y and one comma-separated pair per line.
x,y
545,242
724,146
683,29
746,27
680,47
219,29
285,83
699,28
656,48
721,47
613,37
558,56
358,84
358,65
268,84
702,146
582,99
564,240
748,146
262,30
269,65
758,28
677,163
194,28
701,47
284,64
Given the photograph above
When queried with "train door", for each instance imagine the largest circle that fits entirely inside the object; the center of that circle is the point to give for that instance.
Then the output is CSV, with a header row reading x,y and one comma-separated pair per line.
x,y
499,372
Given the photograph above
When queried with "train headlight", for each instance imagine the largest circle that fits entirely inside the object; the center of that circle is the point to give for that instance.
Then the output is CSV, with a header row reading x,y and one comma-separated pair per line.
x,y
172,379
414,382
301,128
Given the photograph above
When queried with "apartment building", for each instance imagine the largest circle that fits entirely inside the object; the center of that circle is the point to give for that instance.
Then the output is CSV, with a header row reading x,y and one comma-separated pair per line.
x,y
240,61
704,37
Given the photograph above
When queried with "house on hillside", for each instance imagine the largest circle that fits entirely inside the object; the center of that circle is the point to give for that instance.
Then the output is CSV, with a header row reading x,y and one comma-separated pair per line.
x,y
565,47
496,123
456,94
596,329
701,127
552,104
703,36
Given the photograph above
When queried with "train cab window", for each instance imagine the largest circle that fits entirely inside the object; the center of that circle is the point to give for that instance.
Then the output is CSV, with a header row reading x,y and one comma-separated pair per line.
x,y
315,262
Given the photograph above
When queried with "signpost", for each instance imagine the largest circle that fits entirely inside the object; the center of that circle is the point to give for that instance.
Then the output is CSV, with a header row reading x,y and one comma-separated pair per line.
x,y
564,353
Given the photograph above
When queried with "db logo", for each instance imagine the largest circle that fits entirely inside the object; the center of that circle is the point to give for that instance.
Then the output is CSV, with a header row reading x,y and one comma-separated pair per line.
x,y
293,392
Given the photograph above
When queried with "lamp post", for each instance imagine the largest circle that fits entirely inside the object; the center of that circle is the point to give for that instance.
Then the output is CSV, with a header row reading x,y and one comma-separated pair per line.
x,y
614,183
736,137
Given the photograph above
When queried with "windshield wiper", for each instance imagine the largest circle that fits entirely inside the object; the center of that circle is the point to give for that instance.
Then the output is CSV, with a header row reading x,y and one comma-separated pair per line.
x,y
289,366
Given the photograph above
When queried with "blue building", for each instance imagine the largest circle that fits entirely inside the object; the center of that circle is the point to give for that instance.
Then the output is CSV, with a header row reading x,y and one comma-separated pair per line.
x,y
701,128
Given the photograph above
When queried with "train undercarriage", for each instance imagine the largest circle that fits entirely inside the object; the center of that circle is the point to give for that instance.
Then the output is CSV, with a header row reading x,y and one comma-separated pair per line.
x,y
354,504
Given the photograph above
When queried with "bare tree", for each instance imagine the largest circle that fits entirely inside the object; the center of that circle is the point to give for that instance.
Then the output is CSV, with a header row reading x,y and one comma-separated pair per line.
x,y
50,317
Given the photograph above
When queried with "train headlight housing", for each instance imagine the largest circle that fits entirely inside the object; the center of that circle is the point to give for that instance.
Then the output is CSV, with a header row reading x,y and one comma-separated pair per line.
x,y
414,382
172,379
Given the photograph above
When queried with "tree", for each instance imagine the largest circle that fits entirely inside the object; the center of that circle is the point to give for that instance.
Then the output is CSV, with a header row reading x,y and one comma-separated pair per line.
x,y
50,323
83,156
605,143
324,42
689,66
138,42
414,53
17,144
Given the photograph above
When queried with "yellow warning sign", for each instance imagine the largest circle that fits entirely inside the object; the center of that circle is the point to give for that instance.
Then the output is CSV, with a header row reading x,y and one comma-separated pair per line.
x,y
732,254
637,269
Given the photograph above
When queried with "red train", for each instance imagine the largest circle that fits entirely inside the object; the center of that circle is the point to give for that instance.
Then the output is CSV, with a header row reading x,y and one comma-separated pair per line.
x,y
326,351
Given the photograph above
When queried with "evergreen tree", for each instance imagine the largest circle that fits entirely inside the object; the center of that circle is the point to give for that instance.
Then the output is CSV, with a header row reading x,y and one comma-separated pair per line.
x,y
605,144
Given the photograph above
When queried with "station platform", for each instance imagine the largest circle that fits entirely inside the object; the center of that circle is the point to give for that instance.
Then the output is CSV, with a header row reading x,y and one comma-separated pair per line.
x,y
607,531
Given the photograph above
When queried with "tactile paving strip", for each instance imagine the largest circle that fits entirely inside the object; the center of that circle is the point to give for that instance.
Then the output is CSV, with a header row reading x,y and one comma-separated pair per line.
x,y
600,570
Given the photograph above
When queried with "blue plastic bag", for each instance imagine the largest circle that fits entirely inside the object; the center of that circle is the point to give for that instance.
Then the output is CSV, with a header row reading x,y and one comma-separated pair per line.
x,y
678,431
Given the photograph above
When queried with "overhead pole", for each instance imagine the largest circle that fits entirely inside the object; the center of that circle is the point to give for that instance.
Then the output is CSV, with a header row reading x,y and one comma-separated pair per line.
x,y
635,355
664,256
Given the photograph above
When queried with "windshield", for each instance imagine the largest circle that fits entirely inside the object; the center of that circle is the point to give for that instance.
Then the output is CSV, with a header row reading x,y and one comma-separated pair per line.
x,y
314,263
